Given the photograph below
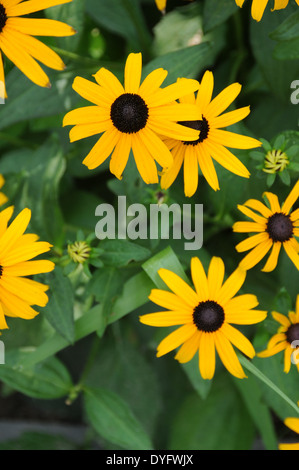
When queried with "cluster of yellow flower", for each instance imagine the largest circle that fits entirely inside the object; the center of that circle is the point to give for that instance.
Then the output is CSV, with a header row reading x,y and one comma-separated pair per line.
x,y
178,125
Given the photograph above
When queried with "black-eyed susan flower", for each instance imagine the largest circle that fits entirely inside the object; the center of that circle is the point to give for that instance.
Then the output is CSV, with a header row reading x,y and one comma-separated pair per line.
x,y
259,6
286,339
275,227
18,293
205,314
211,140
19,45
131,117
293,424
3,197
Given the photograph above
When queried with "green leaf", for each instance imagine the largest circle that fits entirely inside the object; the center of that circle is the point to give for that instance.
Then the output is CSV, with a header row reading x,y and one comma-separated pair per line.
x,y
40,174
252,395
27,101
285,177
202,386
37,440
279,388
165,259
121,367
124,18
220,422
217,12
112,419
287,50
278,78
59,311
73,14
178,29
187,62
134,294
106,285
122,252
48,380
288,29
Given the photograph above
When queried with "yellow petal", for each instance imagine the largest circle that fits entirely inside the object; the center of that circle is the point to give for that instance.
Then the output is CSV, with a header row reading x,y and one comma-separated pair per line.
x,y
144,159
199,279
179,287
223,99
231,286
291,199
190,172
215,276
133,70
40,27
207,356
23,60
17,9
169,318
189,348
228,356
207,166
256,254
175,339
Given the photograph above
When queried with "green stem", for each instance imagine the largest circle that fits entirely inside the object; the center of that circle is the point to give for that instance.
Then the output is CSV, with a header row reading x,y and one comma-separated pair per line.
x,y
90,360
255,371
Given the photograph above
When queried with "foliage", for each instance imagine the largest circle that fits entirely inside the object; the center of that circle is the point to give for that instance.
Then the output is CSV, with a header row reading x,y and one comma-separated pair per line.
x,y
87,347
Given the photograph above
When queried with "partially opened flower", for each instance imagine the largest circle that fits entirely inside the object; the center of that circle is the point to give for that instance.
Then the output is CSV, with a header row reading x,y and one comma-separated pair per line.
x,y
3,197
259,6
286,339
18,293
293,424
211,141
275,227
205,314
19,45
132,117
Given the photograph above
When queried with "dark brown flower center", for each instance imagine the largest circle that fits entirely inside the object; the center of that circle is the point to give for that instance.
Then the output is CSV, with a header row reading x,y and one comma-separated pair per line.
x,y
3,17
201,126
280,227
292,333
208,316
129,113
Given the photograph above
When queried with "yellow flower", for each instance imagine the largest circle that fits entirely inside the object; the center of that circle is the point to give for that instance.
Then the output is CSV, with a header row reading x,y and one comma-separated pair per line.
x,y
293,424
206,315
3,197
259,6
17,43
286,339
17,293
275,226
211,141
132,118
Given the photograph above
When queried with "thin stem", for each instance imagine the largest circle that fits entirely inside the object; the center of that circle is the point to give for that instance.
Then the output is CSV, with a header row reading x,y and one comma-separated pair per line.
x,y
255,371
90,360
